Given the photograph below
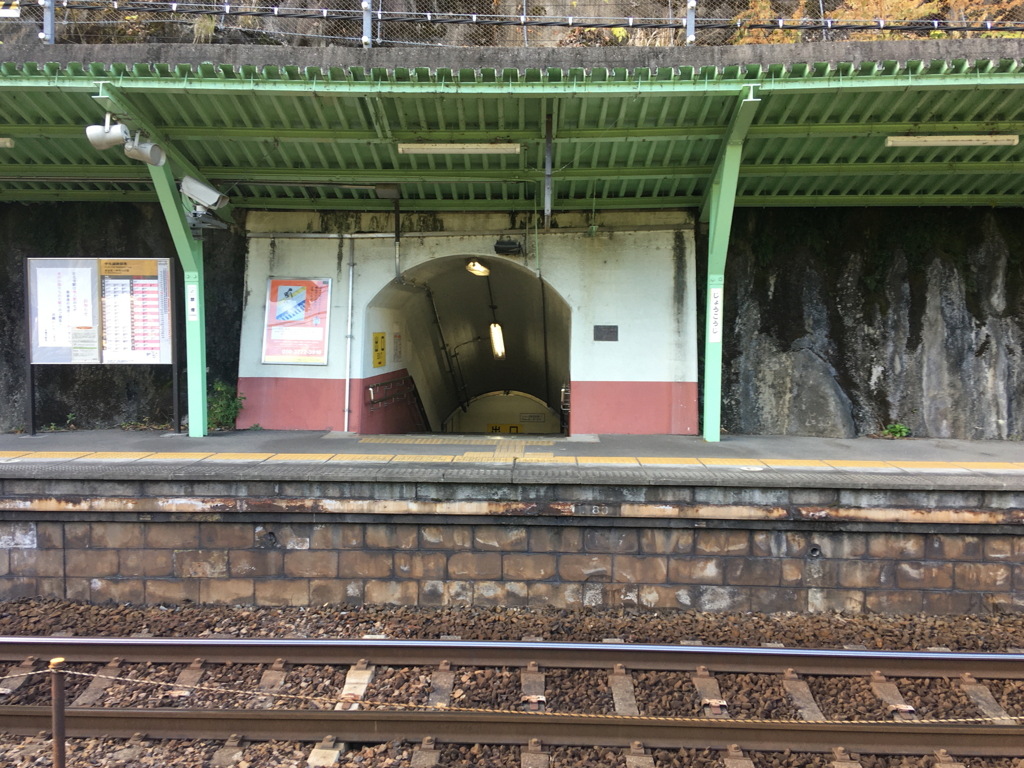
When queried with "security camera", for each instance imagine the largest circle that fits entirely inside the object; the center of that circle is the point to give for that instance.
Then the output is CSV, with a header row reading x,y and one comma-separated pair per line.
x,y
203,195
108,135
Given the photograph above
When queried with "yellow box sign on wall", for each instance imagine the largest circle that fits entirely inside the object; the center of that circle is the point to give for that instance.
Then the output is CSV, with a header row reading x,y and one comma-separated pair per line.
x,y
380,351
504,428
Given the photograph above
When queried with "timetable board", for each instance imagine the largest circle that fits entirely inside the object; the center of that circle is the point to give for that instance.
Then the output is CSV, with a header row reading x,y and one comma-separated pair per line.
x,y
111,311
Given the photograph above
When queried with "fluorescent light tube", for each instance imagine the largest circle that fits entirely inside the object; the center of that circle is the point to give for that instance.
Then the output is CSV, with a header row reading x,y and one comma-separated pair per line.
x,y
459,149
476,268
952,141
497,342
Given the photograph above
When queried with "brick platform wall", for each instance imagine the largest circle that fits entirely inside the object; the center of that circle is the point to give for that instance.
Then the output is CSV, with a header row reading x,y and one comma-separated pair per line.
x,y
579,564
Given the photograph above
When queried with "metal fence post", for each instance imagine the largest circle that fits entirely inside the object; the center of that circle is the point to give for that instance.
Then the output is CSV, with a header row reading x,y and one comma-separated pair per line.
x,y
367,25
49,33
691,22
57,696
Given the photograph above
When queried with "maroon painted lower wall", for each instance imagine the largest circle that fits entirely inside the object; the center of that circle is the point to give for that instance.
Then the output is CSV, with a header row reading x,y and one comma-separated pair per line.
x,y
598,407
634,408
319,404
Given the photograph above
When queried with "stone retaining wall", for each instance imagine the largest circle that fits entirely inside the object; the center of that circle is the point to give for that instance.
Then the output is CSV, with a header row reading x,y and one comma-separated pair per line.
x,y
749,565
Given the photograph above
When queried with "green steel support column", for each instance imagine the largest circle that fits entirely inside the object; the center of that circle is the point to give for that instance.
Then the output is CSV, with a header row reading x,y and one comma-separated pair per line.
x,y
717,211
190,251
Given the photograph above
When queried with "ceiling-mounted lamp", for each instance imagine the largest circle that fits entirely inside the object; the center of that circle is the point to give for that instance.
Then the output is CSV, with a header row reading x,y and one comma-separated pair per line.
x,y
387,191
474,267
108,135
146,151
497,342
6,142
506,246
953,141
499,148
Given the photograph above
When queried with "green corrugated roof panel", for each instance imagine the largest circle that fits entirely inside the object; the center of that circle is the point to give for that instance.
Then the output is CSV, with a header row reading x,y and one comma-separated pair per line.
x,y
300,136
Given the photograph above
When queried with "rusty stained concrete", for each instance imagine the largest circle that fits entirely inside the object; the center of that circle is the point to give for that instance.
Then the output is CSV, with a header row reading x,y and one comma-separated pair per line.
x,y
223,508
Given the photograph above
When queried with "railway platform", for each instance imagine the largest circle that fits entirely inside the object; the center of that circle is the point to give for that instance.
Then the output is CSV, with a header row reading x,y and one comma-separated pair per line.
x,y
286,518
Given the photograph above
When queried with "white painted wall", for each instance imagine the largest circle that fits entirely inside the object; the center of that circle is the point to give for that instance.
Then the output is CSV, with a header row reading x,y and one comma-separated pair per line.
x,y
624,278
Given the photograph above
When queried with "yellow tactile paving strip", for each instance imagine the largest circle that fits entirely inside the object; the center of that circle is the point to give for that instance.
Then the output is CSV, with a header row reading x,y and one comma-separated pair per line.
x,y
117,455
301,457
503,455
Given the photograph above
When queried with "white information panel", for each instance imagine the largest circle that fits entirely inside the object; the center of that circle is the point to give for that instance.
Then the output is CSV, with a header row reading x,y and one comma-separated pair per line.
x,y
64,313
100,311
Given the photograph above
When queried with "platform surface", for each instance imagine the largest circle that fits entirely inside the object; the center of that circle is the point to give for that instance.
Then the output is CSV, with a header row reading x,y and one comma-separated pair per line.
x,y
620,459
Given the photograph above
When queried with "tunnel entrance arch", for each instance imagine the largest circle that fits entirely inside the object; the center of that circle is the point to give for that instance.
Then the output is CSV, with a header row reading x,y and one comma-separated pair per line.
x,y
431,339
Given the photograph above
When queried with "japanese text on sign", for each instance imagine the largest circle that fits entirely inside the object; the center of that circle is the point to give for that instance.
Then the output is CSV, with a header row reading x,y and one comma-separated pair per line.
x,y
715,316
296,329
380,350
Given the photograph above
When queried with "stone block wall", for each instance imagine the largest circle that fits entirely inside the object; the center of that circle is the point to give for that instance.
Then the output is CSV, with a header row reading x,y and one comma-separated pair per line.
x,y
561,563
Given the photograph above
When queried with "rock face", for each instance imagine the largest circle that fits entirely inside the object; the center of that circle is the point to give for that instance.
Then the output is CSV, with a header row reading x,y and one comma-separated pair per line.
x,y
844,321
106,395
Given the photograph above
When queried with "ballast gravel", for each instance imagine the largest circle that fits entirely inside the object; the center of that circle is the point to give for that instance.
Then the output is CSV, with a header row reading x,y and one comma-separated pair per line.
x,y
995,632
578,691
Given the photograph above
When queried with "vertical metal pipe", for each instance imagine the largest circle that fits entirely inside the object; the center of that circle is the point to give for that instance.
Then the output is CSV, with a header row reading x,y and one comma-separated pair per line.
x,y
367,24
671,21
49,34
348,330
30,374
547,173
398,241
175,358
57,698
691,22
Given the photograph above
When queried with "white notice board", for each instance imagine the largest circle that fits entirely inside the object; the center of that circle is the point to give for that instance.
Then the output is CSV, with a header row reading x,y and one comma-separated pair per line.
x,y
100,311
63,312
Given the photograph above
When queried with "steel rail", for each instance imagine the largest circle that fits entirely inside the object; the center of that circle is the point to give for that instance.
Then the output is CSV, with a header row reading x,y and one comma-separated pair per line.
x,y
518,728
805,661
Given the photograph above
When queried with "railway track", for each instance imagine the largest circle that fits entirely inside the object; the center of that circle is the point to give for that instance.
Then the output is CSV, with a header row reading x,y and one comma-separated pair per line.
x,y
528,694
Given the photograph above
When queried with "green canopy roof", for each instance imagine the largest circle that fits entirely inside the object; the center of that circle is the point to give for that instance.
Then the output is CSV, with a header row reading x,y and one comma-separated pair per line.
x,y
321,132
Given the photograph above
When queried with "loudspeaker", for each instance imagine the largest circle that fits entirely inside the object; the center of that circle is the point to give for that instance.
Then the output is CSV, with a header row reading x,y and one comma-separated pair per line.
x,y
102,137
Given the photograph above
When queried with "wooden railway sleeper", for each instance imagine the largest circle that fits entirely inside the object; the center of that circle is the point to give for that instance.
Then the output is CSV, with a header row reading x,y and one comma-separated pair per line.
x,y
637,756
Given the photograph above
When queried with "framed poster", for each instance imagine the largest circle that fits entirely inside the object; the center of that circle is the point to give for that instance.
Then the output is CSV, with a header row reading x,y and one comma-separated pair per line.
x,y
63,311
297,323
136,299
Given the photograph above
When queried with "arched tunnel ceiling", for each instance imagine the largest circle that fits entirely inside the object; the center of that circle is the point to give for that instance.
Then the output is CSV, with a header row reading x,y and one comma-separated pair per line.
x,y
464,308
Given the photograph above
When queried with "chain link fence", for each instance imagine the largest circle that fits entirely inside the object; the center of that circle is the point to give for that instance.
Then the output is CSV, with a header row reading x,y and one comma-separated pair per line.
x,y
509,23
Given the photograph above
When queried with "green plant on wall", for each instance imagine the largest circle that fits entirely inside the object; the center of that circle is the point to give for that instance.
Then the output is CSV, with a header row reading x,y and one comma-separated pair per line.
x,y
223,406
896,431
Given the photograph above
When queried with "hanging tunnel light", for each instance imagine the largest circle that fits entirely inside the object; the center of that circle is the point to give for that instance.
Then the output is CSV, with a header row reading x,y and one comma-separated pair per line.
x,y
476,268
497,342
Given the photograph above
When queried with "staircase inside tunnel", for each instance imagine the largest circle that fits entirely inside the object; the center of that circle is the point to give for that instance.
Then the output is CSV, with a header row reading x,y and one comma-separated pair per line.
x,y
483,353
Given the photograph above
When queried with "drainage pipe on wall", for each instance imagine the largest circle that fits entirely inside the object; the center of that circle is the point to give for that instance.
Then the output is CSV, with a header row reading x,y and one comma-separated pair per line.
x,y
348,330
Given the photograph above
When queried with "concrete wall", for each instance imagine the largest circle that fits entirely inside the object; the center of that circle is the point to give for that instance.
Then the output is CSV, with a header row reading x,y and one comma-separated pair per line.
x,y
570,564
640,280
